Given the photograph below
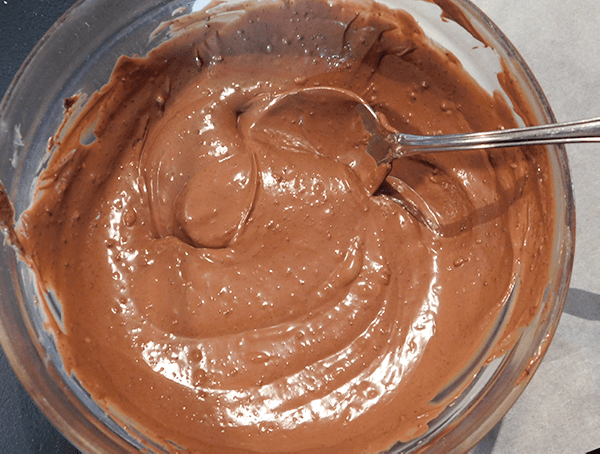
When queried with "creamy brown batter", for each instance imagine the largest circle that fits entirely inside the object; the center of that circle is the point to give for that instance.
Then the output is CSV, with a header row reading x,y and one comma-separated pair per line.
x,y
234,282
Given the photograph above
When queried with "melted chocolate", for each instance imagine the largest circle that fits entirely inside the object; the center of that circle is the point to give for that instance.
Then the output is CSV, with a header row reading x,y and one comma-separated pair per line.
x,y
230,285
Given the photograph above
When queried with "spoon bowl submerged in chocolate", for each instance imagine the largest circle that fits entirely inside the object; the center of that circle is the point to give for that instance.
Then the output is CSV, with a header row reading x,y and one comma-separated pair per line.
x,y
387,144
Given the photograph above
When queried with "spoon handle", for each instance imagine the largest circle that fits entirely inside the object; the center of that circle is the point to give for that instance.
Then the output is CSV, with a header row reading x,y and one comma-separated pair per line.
x,y
571,132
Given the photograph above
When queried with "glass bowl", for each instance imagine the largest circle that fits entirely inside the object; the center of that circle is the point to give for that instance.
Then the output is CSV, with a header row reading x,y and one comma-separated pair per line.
x,y
77,56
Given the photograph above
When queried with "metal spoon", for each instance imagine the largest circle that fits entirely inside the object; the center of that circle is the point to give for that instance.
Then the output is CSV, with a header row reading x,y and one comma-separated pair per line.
x,y
386,146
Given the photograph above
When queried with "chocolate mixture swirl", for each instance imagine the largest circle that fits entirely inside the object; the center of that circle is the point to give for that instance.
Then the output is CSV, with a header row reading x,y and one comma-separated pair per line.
x,y
236,286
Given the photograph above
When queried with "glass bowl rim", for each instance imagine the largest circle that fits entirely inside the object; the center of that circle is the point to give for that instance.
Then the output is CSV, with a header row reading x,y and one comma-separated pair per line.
x,y
88,438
